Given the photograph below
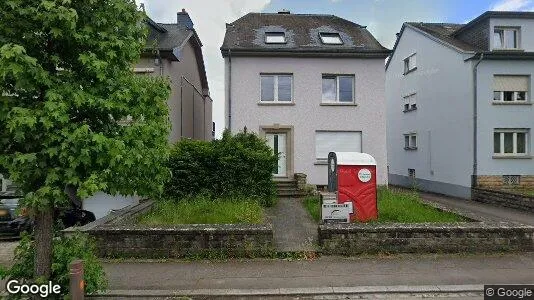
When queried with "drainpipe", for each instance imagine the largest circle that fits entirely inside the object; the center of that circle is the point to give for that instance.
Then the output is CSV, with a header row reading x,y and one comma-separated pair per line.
x,y
230,89
475,121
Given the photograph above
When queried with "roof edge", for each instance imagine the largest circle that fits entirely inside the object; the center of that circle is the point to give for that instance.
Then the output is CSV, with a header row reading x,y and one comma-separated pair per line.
x,y
300,53
495,14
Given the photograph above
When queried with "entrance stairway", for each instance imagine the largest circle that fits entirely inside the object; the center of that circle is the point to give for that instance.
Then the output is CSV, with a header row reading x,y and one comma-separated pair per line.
x,y
288,188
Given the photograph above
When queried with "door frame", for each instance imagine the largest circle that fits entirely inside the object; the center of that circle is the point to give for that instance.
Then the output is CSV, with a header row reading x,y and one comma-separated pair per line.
x,y
288,130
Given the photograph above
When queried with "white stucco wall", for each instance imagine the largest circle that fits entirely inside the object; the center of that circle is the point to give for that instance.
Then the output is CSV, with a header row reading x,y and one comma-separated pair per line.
x,y
502,116
443,119
307,115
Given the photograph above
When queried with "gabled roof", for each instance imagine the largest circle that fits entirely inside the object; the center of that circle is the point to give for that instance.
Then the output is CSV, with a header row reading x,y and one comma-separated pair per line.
x,y
169,39
445,32
247,35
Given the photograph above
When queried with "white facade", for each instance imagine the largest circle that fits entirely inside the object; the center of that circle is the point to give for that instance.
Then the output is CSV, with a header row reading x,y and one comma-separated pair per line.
x,y
443,84
307,115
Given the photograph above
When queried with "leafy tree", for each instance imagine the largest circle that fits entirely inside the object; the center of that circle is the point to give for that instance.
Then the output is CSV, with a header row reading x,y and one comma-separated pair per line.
x,y
74,117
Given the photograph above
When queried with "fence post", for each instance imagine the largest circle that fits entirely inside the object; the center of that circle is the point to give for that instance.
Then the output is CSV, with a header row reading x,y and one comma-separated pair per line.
x,y
77,284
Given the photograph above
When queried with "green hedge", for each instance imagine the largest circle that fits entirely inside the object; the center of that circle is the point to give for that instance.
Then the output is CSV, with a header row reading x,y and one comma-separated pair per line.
x,y
234,166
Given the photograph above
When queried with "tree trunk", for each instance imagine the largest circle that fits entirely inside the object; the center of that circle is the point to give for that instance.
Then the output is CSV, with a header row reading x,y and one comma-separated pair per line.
x,y
43,234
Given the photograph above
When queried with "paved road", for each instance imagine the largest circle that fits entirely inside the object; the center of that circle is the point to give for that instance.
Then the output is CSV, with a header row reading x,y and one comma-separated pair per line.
x,y
482,209
409,270
294,230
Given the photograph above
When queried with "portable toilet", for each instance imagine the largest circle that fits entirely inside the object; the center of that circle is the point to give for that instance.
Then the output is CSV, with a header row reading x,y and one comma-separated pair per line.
x,y
352,176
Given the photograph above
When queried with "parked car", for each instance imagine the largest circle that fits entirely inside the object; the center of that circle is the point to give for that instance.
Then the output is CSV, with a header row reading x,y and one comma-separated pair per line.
x,y
14,221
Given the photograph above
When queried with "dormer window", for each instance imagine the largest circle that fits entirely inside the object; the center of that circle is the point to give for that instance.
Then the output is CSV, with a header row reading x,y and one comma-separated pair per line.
x,y
330,38
275,38
505,38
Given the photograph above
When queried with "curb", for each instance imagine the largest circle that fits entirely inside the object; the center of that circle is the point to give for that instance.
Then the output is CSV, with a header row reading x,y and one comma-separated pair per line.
x,y
358,290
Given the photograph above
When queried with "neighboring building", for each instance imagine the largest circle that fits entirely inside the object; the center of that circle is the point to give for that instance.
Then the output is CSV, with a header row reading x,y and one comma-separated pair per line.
x,y
460,110
175,51
309,84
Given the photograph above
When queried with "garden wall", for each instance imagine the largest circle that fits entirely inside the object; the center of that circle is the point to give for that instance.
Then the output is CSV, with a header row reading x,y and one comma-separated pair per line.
x,y
352,239
501,198
118,236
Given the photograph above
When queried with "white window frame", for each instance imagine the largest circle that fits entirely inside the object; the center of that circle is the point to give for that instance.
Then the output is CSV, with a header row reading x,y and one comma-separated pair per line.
x,y
337,76
514,97
275,86
277,34
406,63
411,145
411,101
504,30
514,153
322,35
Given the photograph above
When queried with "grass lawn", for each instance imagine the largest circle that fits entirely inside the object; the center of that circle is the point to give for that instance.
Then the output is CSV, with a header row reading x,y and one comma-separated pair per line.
x,y
526,191
201,210
395,206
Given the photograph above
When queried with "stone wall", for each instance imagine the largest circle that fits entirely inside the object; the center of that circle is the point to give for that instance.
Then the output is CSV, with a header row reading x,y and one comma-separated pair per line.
x,y
501,198
119,236
357,238
488,181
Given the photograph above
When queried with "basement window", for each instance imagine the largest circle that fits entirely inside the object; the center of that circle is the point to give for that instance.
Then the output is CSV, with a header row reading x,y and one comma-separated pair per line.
x,y
275,38
330,38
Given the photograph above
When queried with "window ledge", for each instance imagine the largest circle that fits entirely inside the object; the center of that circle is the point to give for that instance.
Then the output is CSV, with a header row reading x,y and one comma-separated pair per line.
x,y
321,162
275,103
410,148
338,104
409,71
512,157
409,110
508,50
511,102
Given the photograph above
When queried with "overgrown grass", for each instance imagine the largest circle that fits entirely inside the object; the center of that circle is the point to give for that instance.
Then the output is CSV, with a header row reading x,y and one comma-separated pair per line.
x,y
395,206
203,210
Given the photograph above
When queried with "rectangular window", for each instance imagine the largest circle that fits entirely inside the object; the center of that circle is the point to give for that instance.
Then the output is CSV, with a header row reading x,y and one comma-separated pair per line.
x,y
343,141
411,173
338,88
510,88
505,38
410,141
410,102
510,142
330,38
275,38
276,88
410,64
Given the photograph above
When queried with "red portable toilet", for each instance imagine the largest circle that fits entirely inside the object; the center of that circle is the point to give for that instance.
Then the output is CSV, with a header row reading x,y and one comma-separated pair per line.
x,y
352,176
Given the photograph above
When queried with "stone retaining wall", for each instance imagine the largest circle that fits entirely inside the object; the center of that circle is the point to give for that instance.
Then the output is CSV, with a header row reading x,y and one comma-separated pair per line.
x,y
501,198
357,238
119,236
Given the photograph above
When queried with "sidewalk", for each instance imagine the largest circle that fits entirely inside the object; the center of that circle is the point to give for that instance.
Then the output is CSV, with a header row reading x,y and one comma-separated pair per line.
x,y
325,272
482,209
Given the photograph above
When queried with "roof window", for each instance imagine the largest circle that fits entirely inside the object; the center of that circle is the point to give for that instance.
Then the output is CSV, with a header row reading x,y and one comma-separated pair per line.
x,y
330,38
275,38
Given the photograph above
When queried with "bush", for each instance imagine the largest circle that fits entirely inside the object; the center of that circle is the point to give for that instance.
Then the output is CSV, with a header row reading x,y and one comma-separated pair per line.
x,y
238,165
65,250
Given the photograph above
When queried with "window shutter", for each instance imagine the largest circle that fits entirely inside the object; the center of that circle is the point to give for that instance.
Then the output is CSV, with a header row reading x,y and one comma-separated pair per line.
x,y
510,83
328,141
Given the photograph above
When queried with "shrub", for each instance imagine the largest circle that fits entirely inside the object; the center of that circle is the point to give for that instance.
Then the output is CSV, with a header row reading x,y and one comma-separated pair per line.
x,y
65,250
238,165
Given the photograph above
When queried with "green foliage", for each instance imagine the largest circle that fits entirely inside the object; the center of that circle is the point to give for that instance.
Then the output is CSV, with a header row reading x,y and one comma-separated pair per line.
x,y
204,210
406,207
67,82
234,166
66,250
394,206
313,206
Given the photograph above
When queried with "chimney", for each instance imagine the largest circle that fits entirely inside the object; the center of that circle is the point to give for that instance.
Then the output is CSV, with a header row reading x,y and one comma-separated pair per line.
x,y
182,17
284,12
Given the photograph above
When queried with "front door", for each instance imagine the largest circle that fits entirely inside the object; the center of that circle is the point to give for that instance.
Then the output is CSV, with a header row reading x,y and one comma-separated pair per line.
x,y
277,142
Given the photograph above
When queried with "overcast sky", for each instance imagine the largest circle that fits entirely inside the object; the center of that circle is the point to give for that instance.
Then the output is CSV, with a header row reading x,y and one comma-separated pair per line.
x,y
383,18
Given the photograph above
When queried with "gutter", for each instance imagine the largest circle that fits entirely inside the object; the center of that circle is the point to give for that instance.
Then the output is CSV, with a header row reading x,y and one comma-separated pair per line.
x,y
230,90
474,182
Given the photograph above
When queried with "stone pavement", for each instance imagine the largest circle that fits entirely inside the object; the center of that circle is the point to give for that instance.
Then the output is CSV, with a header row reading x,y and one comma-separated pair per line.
x,y
294,230
484,210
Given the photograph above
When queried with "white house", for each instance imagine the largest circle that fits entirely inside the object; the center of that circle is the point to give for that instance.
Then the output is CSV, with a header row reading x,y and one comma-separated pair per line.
x,y
309,84
459,104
